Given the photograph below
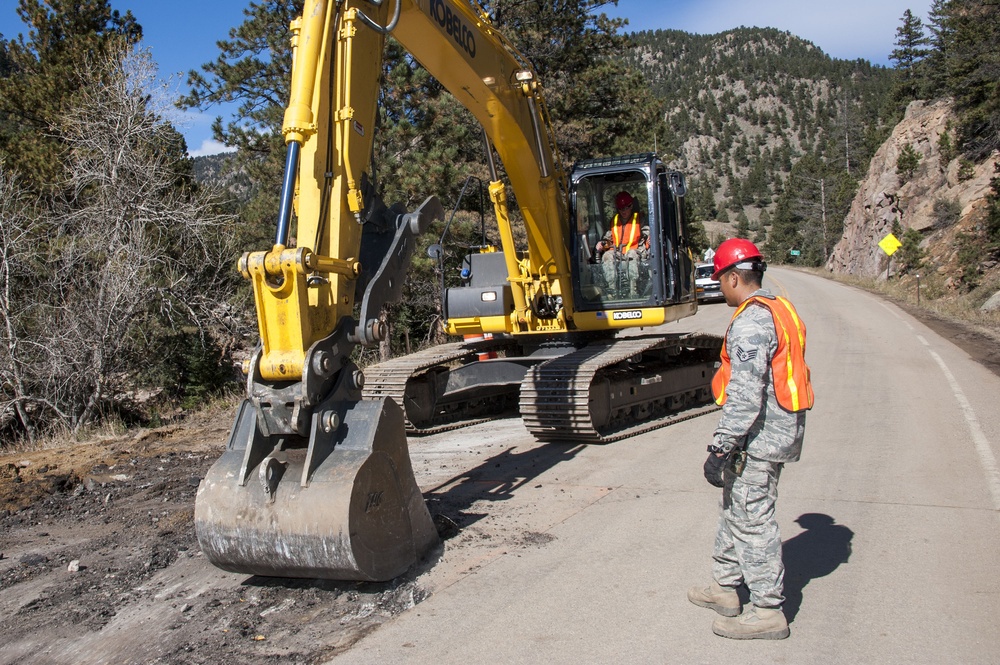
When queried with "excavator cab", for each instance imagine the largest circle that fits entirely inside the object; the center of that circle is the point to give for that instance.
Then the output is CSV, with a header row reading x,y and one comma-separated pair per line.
x,y
638,262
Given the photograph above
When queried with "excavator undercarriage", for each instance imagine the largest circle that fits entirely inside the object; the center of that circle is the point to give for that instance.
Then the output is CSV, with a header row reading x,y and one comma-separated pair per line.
x,y
599,390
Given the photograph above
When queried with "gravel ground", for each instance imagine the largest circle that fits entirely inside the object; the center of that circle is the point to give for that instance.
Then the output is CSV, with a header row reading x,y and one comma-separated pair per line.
x,y
98,549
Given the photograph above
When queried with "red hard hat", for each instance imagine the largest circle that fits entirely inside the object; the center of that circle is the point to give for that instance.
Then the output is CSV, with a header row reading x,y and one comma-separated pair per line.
x,y
731,252
623,199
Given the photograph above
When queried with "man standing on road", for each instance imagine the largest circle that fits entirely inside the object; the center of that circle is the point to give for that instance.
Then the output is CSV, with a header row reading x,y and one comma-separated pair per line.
x,y
764,389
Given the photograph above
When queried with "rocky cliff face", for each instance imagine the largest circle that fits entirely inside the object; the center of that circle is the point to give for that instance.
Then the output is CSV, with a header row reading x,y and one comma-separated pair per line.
x,y
921,203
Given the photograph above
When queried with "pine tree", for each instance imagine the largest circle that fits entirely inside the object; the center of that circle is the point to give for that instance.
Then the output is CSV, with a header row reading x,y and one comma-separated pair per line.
x,y
42,74
941,35
907,162
599,106
910,255
253,69
784,236
742,225
909,52
973,69
992,226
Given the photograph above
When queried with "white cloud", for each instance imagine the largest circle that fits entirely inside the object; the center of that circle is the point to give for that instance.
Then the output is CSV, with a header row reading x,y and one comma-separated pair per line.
x,y
196,126
188,118
210,147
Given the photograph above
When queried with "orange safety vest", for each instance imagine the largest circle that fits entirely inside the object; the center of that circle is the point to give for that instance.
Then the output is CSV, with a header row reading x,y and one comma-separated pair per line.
x,y
626,235
788,367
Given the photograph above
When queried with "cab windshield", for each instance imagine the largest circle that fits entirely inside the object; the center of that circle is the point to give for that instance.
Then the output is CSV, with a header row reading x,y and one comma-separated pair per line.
x,y
613,263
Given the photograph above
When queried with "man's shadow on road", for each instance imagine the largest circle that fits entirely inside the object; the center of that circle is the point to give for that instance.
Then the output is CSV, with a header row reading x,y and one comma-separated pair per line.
x,y
816,552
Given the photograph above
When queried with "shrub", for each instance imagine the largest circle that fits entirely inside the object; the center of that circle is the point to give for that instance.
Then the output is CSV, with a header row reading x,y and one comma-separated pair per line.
x,y
970,251
910,254
907,163
946,211
966,170
946,148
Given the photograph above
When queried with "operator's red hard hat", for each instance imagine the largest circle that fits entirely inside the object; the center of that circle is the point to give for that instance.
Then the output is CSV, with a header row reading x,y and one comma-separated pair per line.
x,y
735,251
623,199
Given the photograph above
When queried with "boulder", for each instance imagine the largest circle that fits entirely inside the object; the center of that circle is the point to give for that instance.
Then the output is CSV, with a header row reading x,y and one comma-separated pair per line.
x,y
993,304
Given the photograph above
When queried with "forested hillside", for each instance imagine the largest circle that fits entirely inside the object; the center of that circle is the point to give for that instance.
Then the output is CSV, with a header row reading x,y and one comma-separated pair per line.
x,y
735,111
738,112
216,172
742,108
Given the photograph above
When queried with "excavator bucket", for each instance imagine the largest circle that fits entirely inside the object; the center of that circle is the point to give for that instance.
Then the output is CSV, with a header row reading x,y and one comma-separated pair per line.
x,y
346,507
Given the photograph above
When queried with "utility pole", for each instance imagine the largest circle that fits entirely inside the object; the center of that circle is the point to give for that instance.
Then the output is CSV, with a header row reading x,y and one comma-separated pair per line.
x,y
822,203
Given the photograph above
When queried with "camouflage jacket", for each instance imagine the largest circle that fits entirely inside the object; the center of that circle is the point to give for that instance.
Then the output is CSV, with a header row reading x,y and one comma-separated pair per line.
x,y
752,419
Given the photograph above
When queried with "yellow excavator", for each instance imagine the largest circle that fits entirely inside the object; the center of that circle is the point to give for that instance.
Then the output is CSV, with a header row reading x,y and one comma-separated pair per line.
x,y
316,479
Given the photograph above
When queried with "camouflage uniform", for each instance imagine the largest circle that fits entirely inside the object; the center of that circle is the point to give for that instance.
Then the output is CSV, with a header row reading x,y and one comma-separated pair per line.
x,y
748,544
624,265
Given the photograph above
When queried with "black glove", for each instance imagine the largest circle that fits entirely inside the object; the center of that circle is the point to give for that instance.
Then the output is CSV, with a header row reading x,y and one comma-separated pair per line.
x,y
713,469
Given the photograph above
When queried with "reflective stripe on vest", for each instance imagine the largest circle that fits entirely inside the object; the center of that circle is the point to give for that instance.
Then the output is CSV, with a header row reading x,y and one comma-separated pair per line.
x,y
790,373
633,233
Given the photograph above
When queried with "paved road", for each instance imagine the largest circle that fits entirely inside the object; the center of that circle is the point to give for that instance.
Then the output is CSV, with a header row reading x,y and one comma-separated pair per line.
x,y
890,520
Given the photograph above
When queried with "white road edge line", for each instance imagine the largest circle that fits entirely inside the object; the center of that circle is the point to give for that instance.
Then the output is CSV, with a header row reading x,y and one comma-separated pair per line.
x,y
986,457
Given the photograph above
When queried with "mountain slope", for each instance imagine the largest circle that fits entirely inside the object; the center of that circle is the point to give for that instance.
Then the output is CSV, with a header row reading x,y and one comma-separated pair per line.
x,y
944,198
743,106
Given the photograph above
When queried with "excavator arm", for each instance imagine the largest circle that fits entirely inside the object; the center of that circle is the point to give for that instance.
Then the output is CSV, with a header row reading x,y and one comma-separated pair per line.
x,y
329,129
316,481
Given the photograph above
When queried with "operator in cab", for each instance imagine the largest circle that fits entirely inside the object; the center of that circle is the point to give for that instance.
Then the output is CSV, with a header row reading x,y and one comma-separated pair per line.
x,y
623,245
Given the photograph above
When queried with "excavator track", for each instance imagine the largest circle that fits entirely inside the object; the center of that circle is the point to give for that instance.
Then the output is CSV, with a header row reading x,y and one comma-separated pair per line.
x,y
400,378
611,390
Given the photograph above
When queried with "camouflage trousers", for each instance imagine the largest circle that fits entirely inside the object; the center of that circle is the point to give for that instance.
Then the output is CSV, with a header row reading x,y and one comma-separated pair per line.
x,y
623,272
748,544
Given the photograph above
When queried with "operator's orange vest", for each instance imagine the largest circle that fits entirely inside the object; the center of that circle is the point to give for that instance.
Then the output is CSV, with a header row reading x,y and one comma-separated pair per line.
x,y
788,367
626,235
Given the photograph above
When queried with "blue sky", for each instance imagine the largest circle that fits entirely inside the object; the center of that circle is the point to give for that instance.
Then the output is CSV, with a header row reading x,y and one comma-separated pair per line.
x,y
182,34
847,29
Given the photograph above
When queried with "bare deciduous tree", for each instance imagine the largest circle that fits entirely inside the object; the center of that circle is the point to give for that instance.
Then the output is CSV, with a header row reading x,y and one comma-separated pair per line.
x,y
131,253
18,224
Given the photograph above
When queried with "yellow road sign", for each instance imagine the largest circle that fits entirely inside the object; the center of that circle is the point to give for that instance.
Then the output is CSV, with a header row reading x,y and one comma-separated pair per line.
x,y
889,244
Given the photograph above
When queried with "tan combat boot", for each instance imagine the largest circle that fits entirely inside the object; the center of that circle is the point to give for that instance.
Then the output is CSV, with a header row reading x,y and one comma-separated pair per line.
x,y
722,599
756,623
